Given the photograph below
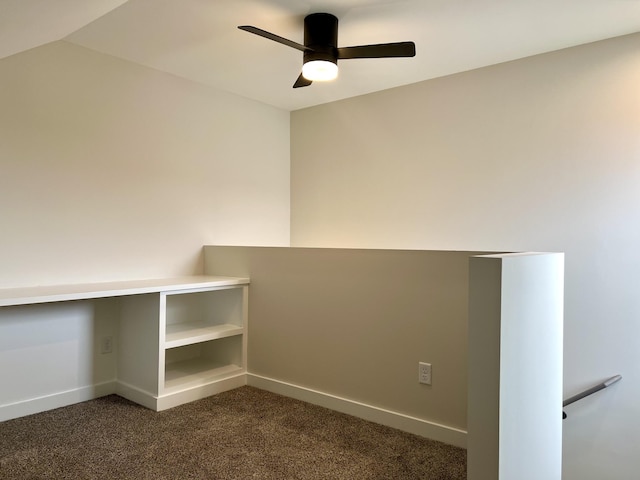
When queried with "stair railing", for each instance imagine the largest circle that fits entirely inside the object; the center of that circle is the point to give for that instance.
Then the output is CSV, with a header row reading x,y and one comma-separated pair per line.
x,y
590,391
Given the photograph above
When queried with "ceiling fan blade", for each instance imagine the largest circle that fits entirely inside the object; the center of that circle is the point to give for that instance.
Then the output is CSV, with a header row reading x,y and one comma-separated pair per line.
x,y
271,36
382,50
302,82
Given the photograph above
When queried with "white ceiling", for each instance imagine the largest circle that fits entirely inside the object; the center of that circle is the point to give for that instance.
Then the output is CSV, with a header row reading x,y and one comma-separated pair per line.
x,y
198,39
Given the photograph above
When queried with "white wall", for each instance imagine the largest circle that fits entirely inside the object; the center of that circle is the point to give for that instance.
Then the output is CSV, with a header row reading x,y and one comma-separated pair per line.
x,y
537,154
515,351
108,171
49,355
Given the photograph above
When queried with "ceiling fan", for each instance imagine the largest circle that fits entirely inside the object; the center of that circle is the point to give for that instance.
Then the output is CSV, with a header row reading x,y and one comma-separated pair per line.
x,y
321,52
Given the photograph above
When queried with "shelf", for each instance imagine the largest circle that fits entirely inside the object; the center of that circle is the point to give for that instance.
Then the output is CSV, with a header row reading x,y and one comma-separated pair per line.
x,y
63,293
187,333
195,372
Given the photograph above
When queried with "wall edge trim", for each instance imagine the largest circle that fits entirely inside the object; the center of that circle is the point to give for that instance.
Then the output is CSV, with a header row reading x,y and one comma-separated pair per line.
x,y
56,400
434,431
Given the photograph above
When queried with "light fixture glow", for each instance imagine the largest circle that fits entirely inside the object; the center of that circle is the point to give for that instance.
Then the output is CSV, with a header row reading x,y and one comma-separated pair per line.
x,y
320,70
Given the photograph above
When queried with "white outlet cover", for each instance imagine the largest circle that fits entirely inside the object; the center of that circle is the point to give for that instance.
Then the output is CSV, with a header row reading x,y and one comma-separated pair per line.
x,y
424,373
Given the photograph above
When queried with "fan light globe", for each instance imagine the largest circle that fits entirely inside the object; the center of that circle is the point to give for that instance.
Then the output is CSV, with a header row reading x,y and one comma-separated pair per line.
x,y
320,70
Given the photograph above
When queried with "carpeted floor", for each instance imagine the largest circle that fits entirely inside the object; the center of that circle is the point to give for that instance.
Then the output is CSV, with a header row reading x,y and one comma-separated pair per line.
x,y
241,434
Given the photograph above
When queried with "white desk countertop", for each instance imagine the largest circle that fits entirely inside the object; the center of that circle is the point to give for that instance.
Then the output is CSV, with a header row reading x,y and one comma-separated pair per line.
x,y
84,291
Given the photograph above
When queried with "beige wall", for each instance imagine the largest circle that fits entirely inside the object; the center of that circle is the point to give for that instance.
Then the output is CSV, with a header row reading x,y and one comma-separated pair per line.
x,y
110,170
355,323
537,154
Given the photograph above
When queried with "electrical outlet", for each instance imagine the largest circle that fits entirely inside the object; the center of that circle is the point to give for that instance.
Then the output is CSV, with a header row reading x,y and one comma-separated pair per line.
x,y
106,344
424,373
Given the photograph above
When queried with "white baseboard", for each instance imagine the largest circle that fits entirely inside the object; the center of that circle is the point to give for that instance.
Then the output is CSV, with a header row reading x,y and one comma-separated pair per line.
x,y
136,395
173,399
56,400
196,393
434,431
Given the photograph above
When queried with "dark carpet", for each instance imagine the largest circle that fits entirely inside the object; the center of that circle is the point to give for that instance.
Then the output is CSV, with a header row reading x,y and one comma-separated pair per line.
x,y
241,434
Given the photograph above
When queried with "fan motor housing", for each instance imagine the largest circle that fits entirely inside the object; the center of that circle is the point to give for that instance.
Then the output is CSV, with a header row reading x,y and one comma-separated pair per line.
x,y
321,36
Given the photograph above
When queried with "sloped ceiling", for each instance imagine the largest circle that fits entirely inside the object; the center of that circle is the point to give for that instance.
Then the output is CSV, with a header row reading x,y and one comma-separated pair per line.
x,y
26,24
199,39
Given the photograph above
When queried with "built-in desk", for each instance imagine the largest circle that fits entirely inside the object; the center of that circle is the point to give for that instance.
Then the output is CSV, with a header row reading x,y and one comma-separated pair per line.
x,y
178,339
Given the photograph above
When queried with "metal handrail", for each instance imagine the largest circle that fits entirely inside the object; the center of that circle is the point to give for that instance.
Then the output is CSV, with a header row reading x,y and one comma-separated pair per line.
x,y
590,391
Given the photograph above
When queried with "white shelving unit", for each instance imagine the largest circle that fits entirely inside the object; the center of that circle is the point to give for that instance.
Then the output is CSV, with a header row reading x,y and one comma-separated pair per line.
x,y
198,347
202,332
179,339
